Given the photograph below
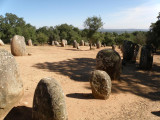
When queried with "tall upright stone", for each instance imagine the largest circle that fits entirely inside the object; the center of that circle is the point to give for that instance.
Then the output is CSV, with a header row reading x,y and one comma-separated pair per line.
x,y
110,61
98,44
53,43
146,58
75,44
18,46
101,84
11,86
82,43
29,42
49,101
63,43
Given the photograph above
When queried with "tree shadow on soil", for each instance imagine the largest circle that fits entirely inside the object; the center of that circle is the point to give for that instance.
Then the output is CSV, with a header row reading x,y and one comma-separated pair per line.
x,y
77,69
19,113
142,83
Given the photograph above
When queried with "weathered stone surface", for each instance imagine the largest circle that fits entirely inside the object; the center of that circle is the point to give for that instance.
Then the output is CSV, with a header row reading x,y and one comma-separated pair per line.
x,y
18,46
11,86
49,101
82,43
109,61
146,58
29,42
75,44
63,43
1,43
53,43
56,43
101,84
98,44
128,50
86,44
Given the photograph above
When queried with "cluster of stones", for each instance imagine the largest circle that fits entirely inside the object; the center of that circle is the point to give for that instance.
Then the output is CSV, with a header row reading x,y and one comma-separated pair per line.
x,y
142,54
11,86
108,65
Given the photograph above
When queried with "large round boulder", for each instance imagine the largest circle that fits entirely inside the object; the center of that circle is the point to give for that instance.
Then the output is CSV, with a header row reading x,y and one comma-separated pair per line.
x,y
101,84
110,61
11,86
18,46
49,101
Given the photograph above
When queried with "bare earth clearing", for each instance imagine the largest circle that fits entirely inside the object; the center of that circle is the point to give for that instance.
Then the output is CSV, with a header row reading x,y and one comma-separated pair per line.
x,y
135,97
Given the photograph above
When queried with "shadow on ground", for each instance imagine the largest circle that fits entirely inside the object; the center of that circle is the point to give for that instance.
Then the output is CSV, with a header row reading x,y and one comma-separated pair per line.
x,y
80,95
19,113
157,113
142,83
77,69
138,82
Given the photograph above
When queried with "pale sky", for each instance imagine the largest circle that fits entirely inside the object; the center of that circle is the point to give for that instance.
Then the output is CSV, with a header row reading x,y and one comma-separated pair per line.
x,y
116,14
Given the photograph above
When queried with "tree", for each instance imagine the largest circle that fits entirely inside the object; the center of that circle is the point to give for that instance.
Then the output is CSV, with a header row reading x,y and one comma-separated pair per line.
x,y
42,38
153,36
93,24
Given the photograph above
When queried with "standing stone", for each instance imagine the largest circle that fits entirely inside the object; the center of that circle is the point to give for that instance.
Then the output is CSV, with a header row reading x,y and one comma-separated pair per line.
x,y
75,44
29,42
49,101
56,43
53,43
82,43
101,84
86,44
146,59
63,43
128,50
66,43
98,44
18,46
109,61
1,43
113,47
11,86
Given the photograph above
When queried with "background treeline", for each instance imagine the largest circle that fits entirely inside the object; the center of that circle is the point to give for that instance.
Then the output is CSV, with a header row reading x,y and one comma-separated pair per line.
x,y
11,25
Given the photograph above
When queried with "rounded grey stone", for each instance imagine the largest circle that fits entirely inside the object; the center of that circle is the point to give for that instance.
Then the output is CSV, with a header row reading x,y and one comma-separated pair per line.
x,y
11,86
110,61
101,84
49,101
18,46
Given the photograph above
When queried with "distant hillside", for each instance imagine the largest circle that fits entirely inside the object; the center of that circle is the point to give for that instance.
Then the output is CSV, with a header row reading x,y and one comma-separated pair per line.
x,y
120,31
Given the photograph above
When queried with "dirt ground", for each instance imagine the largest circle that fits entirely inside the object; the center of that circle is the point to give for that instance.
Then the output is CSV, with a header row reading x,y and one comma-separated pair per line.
x,y
135,97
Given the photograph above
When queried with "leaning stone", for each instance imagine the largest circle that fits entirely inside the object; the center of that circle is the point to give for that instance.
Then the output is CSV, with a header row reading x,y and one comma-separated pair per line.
x,y
11,86
18,46
110,61
1,43
49,101
101,84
